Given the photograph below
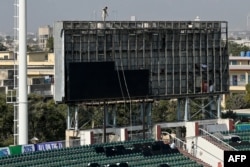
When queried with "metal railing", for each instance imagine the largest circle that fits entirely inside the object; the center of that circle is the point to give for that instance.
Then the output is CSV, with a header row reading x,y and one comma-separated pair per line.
x,y
178,142
218,140
238,83
182,145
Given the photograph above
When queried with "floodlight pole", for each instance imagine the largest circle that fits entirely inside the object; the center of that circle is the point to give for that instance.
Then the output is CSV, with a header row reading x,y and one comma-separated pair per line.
x,y
22,80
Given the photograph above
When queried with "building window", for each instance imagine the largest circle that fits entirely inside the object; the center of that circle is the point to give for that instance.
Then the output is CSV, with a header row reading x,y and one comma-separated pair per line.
x,y
46,57
234,78
242,78
233,62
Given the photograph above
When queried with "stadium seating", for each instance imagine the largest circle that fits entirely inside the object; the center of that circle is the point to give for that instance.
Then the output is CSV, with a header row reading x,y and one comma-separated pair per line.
x,y
142,153
244,144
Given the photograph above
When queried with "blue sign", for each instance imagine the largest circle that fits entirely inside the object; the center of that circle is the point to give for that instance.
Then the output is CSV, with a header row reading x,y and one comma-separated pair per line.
x,y
5,151
49,146
28,148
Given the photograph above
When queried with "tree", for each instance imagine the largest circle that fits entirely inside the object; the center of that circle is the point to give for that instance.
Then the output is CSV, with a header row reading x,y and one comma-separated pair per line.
x,y
235,49
247,95
47,120
90,116
164,111
6,122
32,48
54,117
229,114
2,47
236,101
35,103
50,44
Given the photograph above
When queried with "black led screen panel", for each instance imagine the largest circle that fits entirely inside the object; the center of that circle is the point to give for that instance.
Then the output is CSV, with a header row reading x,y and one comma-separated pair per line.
x,y
100,81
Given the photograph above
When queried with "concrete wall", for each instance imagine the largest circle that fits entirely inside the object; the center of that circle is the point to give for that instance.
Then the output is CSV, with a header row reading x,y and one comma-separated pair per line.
x,y
208,152
204,149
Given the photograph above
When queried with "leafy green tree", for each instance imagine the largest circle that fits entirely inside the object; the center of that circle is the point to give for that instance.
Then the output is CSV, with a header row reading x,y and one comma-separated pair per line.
x,y
35,103
2,47
54,117
32,48
50,44
229,114
122,115
84,115
90,116
236,101
164,111
47,120
6,122
128,114
235,49
247,95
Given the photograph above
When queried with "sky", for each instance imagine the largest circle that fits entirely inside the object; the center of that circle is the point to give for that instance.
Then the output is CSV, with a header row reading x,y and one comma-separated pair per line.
x,y
46,12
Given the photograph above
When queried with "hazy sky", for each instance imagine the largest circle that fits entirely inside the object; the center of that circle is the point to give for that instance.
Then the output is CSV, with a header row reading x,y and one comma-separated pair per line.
x,y
46,12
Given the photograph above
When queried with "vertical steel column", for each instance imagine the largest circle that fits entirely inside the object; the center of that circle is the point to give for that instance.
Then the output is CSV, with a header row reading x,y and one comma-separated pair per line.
x,y
180,63
178,110
187,64
143,119
68,118
105,43
212,106
104,122
173,60
149,114
186,109
88,47
114,115
143,50
166,62
202,109
80,48
76,117
107,116
218,107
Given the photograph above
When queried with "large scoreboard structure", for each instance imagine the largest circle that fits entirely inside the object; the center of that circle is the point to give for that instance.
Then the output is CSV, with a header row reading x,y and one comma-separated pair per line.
x,y
121,60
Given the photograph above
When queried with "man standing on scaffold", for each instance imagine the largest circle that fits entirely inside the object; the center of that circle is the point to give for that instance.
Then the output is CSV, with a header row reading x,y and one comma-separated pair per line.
x,y
104,13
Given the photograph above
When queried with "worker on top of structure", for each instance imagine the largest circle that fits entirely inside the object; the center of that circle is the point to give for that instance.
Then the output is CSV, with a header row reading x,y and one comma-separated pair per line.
x,y
104,13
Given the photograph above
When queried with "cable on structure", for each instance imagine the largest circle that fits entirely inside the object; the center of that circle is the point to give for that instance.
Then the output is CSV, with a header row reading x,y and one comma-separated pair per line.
x,y
127,90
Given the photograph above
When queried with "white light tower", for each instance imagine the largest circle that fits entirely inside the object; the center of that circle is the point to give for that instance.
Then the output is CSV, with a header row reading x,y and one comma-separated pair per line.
x,y
22,80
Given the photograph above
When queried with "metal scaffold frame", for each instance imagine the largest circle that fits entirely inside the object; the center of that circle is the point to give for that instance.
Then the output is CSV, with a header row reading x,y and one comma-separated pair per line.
x,y
14,92
16,96
184,58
